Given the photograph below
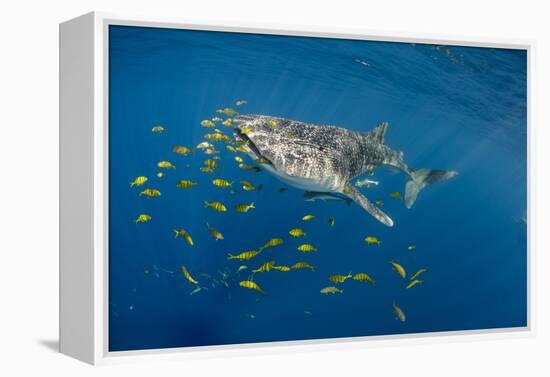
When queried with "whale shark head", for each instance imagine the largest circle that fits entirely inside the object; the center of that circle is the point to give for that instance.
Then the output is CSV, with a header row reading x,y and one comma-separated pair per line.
x,y
290,151
257,135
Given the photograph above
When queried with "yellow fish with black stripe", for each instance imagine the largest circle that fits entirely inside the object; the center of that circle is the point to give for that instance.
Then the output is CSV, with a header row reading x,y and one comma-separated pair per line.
x,y
227,111
247,186
372,240
331,290
184,184
251,285
207,123
339,279
254,169
296,232
281,268
143,218
301,265
217,206
217,137
217,235
363,277
262,160
188,275
151,193
399,269
266,267
138,181
221,183
184,151
395,195
272,243
273,123
166,165
186,236
211,164
244,208
414,282
417,273
399,313
307,248
245,255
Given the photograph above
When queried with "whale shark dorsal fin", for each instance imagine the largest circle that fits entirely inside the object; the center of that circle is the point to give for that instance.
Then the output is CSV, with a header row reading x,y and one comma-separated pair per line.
x,y
378,133
376,212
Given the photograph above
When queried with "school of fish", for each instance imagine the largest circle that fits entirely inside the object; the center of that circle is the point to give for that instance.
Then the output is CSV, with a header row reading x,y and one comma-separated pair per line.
x,y
216,144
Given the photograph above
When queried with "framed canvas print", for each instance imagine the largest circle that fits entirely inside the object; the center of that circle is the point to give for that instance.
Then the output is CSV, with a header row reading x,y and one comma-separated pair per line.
x,y
225,187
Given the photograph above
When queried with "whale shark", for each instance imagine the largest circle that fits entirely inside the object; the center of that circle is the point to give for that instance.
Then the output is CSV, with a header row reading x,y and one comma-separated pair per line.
x,y
325,159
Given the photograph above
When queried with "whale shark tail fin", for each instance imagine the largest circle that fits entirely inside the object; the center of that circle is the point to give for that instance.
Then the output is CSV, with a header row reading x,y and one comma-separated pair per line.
x,y
420,178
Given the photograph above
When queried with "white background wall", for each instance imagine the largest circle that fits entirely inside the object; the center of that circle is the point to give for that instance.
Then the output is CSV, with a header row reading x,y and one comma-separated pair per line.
x,y
29,184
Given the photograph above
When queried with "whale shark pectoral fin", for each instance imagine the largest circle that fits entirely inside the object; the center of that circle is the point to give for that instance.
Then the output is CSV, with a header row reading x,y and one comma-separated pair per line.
x,y
360,199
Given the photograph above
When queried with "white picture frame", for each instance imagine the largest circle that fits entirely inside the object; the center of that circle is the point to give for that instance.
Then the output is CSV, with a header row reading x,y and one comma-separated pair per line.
x,y
84,191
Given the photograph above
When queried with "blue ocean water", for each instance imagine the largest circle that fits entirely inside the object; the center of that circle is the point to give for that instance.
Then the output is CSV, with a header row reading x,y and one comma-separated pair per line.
x,y
458,108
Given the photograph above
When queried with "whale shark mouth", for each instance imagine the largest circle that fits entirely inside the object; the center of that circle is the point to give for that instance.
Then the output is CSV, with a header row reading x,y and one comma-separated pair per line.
x,y
247,143
250,147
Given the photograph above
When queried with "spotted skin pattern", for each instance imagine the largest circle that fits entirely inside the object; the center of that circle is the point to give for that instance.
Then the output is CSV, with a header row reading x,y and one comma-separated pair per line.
x,y
319,158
